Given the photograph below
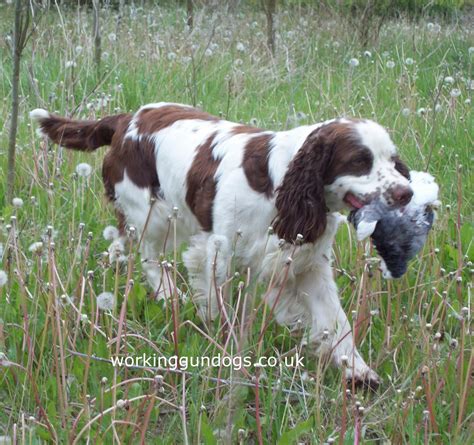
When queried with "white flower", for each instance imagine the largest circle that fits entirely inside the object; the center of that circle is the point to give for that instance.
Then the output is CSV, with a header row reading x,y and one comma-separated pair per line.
x,y
455,92
390,64
17,202
240,47
83,169
421,111
208,52
353,62
409,61
71,64
112,37
36,247
106,301
102,102
171,56
116,251
3,278
110,233
367,54
406,112
449,80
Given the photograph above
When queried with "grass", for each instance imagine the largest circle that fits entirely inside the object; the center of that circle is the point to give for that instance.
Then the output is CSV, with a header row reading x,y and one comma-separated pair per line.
x,y
56,381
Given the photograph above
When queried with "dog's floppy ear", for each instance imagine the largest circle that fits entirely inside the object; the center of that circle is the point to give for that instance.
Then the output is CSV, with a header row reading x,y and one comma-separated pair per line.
x,y
300,198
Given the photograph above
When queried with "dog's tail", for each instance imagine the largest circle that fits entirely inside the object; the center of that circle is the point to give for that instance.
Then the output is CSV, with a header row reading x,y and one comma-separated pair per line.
x,y
84,135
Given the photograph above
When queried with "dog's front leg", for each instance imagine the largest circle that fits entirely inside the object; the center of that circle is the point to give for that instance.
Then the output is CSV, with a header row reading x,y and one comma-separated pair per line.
x,y
330,332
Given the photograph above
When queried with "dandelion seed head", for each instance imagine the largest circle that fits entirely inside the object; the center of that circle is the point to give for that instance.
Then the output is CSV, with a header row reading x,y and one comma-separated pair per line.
x,y
240,47
78,49
3,278
112,37
110,233
367,54
106,301
171,56
390,64
83,169
36,247
449,80
406,112
470,51
208,52
354,62
71,64
421,111
438,108
455,92
17,202
409,61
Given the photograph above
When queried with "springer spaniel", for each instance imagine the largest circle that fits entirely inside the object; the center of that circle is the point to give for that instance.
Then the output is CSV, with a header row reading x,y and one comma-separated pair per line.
x,y
267,200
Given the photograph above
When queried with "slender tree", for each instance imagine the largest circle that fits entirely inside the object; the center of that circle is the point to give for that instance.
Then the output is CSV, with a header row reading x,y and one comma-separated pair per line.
x,y
20,37
270,8
97,36
190,14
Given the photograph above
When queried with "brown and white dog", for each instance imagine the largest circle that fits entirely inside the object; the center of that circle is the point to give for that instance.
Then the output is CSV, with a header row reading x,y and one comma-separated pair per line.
x,y
230,183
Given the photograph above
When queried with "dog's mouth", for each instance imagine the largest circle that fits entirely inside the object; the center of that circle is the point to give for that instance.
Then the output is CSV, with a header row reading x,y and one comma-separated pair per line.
x,y
353,201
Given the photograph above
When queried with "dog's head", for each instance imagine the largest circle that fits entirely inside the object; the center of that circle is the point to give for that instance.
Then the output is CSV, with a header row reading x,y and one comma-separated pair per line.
x,y
342,164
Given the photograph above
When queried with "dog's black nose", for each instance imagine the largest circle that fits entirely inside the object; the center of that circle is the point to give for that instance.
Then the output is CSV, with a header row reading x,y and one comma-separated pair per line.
x,y
402,195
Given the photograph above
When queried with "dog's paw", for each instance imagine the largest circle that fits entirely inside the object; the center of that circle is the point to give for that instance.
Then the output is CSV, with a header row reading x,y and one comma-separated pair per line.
x,y
363,378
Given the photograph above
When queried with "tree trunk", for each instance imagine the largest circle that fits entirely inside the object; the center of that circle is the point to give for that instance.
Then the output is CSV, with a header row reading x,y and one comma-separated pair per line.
x,y
17,50
97,38
190,14
270,8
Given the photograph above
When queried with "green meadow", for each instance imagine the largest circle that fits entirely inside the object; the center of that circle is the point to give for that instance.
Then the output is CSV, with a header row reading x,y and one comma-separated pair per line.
x,y
57,382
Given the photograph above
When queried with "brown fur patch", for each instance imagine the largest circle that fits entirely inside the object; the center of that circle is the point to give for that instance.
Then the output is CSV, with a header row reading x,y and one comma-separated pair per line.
x,y
255,164
201,185
151,120
328,152
81,134
138,157
245,129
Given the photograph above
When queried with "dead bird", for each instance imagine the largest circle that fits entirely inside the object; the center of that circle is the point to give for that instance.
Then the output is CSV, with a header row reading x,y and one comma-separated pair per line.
x,y
398,235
